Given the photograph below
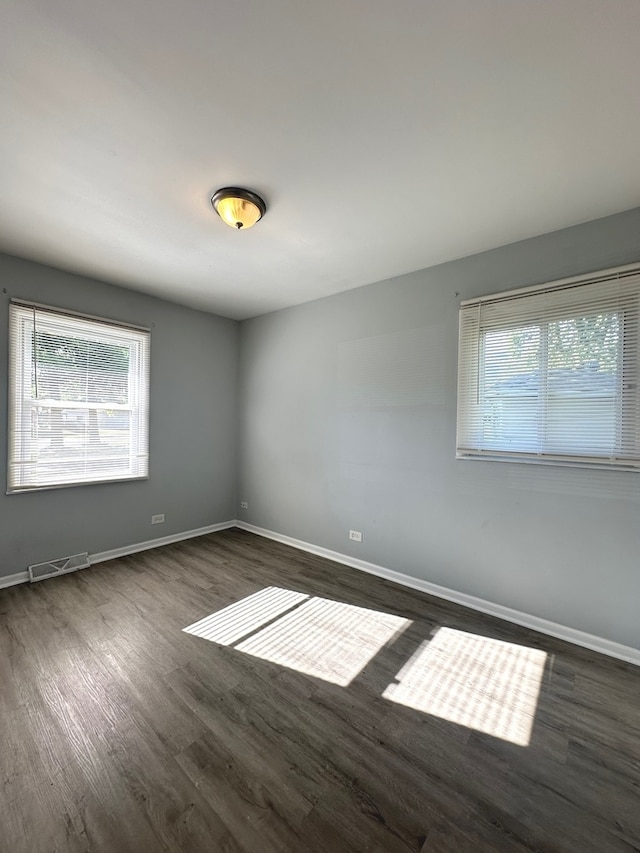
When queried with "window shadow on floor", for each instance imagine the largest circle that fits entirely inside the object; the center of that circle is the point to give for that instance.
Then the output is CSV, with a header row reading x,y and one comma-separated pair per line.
x,y
482,683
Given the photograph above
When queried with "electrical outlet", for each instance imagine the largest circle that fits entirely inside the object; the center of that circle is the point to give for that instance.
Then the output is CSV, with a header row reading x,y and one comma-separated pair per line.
x,y
157,519
355,536
244,504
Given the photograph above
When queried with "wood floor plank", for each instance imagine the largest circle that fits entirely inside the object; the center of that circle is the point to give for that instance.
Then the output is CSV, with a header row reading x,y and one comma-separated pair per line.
x,y
121,732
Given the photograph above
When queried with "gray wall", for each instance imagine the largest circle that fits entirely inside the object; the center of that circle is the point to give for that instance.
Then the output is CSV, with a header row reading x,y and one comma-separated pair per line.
x,y
192,428
348,416
347,419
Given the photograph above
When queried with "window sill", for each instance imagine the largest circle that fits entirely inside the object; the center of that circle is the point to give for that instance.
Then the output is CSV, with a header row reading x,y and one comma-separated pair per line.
x,y
555,461
22,490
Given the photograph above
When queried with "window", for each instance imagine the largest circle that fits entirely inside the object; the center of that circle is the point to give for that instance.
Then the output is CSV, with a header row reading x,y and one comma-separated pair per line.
x,y
550,374
78,399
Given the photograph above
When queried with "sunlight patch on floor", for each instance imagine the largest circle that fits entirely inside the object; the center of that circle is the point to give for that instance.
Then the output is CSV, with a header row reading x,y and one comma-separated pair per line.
x,y
487,685
327,639
236,621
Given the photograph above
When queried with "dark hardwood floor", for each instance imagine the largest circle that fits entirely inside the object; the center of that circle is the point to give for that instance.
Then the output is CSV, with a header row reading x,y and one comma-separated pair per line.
x,y
355,715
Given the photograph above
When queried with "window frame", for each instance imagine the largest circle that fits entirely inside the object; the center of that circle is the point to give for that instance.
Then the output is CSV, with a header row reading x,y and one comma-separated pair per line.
x,y
471,368
20,404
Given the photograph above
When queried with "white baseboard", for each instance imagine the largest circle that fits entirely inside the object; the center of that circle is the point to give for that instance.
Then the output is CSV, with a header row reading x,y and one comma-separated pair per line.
x,y
157,543
101,556
535,623
12,580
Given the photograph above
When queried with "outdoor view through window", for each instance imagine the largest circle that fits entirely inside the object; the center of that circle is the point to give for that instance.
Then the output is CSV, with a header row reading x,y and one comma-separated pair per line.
x,y
78,400
551,374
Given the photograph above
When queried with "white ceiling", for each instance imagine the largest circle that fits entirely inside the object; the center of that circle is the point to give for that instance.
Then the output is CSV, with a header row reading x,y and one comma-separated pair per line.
x,y
385,135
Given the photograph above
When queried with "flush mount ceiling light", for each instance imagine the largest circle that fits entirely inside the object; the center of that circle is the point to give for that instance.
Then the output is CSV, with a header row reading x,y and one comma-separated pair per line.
x,y
237,207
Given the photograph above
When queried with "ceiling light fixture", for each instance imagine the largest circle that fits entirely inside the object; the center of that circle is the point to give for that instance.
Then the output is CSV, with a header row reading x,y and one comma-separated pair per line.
x,y
237,207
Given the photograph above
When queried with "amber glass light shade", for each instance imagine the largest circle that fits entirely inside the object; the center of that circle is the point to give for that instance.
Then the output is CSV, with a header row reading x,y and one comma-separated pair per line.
x,y
237,207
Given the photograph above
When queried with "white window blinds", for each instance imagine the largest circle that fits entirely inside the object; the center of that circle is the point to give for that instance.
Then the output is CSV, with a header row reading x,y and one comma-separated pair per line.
x,y
78,399
550,374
